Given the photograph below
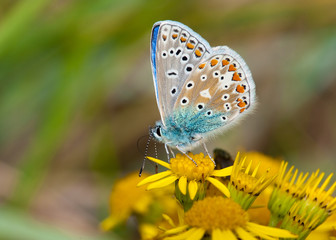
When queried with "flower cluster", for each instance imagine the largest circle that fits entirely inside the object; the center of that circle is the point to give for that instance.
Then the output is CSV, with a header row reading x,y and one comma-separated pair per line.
x,y
253,197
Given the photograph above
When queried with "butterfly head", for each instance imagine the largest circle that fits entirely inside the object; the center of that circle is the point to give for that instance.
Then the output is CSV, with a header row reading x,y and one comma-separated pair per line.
x,y
156,131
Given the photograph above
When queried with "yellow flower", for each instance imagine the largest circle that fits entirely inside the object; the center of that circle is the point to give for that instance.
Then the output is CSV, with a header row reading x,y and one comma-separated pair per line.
x,y
190,178
289,187
311,211
245,185
127,199
221,218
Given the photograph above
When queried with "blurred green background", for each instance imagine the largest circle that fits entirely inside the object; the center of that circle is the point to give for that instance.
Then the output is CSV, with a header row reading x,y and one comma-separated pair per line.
x,y
76,95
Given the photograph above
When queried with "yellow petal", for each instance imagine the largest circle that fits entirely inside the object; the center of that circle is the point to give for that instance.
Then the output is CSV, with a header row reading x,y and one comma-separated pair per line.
x,y
222,172
243,234
168,219
271,231
197,234
176,230
154,177
158,161
192,187
109,223
217,234
162,182
182,184
182,236
218,184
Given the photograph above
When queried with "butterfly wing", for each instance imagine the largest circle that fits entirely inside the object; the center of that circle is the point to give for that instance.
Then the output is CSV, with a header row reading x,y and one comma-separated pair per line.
x,y
219,91
175,51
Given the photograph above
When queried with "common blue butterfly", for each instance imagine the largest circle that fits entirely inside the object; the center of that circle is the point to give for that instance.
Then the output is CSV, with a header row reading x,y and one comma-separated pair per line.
x,y
200,90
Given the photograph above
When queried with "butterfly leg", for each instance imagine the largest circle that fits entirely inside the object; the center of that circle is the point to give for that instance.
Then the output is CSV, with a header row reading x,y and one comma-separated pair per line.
x,y
186,155
206,150
167,151
172,152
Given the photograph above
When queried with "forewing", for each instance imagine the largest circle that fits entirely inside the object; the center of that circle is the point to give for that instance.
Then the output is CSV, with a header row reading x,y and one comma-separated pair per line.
x,y
176,51
219,91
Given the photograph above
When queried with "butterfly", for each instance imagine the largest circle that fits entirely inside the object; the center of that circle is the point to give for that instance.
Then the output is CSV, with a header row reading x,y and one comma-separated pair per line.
x,y
200,90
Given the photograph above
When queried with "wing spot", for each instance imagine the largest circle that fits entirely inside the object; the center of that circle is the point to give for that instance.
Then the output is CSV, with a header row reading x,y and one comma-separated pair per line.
x,y
236,77
198,53
175,30
227,106
200,106
226,86
164,37
209,113
242,110
225,62
173,91
183,39
190,46
222,77
213,62
172,73
240,89
174,36
201,66
189,68
216,73
204,77
185,58
190,85
184,101
171,51
232,68
223,118
178,52
225,97
164,54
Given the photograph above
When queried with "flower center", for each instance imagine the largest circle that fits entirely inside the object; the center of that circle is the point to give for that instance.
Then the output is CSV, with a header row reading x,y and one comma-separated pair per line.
x,y
216,212
181,165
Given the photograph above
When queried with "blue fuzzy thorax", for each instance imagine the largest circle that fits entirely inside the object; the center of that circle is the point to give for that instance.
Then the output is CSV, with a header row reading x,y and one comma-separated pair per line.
x,y
187,126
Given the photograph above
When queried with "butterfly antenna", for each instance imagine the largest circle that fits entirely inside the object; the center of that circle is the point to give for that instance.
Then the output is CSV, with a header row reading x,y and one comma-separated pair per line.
x,y
144,160
156,156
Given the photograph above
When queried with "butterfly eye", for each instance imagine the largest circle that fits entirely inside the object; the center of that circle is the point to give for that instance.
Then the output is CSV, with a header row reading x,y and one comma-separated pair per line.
x,y
184,101
158,131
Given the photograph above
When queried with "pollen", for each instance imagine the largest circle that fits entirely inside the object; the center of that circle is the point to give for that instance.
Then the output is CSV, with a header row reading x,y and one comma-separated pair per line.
x,y
216,213
181,165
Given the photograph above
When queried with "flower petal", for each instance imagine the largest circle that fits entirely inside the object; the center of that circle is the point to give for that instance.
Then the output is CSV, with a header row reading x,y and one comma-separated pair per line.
x,y
197,234
244,234
154,177
226,234
168,219
182,236
222,172
109,223
192,187
271,231
182,184
218,184
158,161
162,182
176,230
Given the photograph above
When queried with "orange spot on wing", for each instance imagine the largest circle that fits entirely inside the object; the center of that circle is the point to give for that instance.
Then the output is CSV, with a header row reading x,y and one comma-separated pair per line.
x,y
240,89
242,110
213,62
174,36
236,77
232,68
198,53
164,37
225,62
241,104
201,66
190,46
183,39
